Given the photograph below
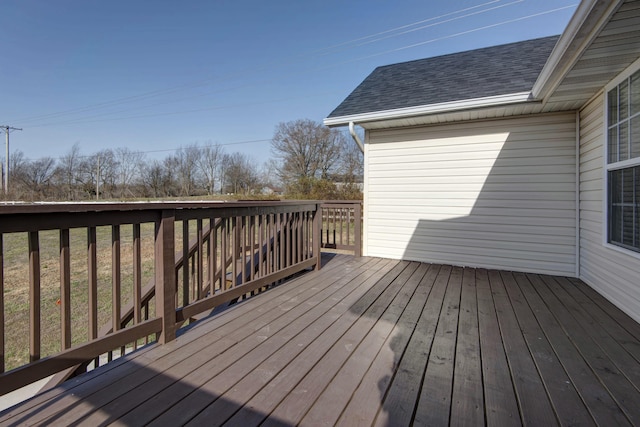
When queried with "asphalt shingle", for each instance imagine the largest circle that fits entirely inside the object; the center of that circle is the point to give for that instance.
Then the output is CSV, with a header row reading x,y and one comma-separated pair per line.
x,y
491,71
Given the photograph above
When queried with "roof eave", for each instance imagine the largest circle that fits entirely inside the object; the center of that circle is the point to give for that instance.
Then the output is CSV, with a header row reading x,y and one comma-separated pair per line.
x,y
423,110
590,15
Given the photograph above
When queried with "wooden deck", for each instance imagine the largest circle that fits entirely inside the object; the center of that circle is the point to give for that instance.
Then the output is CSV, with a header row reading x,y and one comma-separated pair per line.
x,y
368,341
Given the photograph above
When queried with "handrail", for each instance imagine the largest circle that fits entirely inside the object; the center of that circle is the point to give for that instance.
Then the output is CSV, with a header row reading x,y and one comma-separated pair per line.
x,y
249,247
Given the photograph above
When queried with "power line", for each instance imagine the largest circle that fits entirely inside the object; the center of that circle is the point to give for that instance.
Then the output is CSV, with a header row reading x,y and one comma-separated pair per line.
x,y
510,21
369,39
96,118
274,65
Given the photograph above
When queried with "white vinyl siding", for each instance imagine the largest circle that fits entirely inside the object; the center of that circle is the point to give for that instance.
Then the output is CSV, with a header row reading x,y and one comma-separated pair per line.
x,y
613,272
496,194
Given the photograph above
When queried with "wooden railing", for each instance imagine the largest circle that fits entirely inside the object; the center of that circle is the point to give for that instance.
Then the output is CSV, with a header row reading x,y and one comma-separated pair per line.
x,y
342,225
225,251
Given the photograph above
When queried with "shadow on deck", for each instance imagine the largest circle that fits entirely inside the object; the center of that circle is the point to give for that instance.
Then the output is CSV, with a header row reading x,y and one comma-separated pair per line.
x,y
372,341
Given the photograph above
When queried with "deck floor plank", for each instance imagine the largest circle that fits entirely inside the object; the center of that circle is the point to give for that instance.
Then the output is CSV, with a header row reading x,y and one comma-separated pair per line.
x,y
533,401
370,364
258,345
602,407
434,403
565,399
142,369
467,401
253,383
369,341
501,406
392,300
402,394
212,382
618,386
599,325
269,397
622,318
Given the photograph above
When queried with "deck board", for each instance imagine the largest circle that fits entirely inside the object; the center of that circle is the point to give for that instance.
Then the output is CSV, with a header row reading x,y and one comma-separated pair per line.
x,y
533,401
501,406
369,341
467,407
434,403
563,396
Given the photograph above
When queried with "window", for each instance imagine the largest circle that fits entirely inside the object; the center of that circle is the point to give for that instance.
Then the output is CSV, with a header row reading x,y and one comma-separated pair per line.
x,y
623,163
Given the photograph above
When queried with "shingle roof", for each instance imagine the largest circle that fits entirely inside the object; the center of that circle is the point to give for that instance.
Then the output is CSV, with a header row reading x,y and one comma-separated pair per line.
x,y
497,70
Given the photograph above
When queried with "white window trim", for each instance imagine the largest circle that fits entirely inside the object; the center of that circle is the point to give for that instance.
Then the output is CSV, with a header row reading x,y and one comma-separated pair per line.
x,y
618,165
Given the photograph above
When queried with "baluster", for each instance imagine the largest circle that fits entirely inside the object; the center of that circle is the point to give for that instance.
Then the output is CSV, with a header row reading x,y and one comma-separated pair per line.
x,y
65,289
348,212
242,229
224,236
34,296
137,278
214,255
267,243
116,281
305,235
199,276
287,238
252,244
317,230
234,251
299,236
281,232
1,303
92,272
261,244
342,215
185,262
358,229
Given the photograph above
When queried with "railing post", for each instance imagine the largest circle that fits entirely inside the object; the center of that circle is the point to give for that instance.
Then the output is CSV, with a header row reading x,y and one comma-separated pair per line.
x,y
165,275
357,229
317,231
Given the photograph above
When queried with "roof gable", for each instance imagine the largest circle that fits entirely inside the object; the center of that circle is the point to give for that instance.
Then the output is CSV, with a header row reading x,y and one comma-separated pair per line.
x,y
487,72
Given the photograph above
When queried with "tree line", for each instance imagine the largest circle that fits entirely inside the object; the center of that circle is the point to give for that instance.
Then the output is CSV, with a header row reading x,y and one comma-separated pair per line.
x,y
309,161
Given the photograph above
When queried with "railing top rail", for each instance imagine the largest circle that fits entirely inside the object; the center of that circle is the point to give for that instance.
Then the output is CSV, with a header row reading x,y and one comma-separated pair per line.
x,y
40,208
340,202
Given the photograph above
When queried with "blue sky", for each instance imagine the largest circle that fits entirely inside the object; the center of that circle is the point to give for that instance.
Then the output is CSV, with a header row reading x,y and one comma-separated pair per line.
x,y
156,75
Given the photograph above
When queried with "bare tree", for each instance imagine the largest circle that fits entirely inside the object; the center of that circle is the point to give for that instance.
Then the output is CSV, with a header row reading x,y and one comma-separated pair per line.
x,y
128,166
241,175
306,149
182,166
69,170
209,162
157,179
351,163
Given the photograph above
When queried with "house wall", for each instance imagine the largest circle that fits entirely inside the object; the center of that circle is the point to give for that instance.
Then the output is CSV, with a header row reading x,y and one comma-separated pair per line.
x,y
495,194
613,272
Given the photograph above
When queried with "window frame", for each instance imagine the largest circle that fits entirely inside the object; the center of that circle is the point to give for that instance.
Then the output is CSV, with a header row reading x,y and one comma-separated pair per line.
x,y
608,167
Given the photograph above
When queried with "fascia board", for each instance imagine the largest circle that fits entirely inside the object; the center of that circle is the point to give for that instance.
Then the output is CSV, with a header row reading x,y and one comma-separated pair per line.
x,y
421,110
566,51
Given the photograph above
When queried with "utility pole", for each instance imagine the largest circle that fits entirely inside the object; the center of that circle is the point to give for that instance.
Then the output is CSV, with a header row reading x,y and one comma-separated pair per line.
x,y
7,130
